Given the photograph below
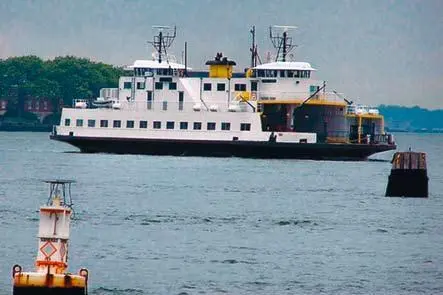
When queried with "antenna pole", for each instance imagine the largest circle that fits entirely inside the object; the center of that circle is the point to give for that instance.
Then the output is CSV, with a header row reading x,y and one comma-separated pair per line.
x,y
160,36
253,49
163,41
186,59
285,36
282,42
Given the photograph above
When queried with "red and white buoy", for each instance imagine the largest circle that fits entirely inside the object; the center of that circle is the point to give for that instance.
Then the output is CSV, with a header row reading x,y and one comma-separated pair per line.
x,y
51,276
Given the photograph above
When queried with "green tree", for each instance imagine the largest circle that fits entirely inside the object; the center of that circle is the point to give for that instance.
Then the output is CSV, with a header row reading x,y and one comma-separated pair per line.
x,y
65,78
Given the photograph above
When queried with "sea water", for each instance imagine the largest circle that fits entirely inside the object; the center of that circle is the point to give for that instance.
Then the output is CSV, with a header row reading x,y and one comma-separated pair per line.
x,y
190,225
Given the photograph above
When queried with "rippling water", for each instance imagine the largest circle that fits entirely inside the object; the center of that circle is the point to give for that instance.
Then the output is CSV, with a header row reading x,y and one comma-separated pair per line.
x,y
185,225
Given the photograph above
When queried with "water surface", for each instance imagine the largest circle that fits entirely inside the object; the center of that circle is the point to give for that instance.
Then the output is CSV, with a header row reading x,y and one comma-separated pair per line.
x,y
189,225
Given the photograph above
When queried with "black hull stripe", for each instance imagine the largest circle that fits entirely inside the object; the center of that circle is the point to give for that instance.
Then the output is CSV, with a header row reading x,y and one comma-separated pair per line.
x,y
246,149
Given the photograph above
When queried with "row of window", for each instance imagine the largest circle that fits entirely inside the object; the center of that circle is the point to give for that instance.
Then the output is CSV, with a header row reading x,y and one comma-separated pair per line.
x,y
222,87
173,86
282,73
158,124
147,72
158,85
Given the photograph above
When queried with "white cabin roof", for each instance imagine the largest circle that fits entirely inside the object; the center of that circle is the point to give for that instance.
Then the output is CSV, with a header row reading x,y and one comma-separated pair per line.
x,y
154,64
286,65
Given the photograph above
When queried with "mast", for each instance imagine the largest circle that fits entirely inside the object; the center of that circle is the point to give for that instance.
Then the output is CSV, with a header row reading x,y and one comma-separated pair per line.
x,y
186,60
163,41
281,41
285,39
253,49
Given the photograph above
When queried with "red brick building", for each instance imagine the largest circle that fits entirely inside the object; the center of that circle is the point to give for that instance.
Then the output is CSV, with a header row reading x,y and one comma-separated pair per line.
x,y
42,107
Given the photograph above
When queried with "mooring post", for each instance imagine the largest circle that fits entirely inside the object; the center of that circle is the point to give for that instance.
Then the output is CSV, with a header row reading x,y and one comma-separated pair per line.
x,y
408,176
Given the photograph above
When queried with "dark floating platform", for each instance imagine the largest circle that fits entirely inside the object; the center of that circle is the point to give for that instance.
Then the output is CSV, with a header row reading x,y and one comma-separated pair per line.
x,y
408,176
48,291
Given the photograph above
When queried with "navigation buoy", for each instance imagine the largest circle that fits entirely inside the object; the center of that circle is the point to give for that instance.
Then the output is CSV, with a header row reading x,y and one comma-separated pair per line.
x,y
408,176
50,275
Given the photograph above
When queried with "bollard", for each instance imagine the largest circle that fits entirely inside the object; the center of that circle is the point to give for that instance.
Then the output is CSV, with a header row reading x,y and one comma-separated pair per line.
x,y
408,176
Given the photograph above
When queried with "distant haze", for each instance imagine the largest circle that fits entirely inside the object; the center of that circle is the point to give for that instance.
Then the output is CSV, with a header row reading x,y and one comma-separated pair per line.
x,y
375,52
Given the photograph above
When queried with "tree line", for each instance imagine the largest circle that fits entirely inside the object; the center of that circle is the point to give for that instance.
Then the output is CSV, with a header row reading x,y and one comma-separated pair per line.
x,y
411,118
60,80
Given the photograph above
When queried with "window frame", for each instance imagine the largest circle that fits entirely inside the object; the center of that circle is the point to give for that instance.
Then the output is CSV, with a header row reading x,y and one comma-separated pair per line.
x,y
141,85
116,124
239,87
172,85
197,124
225,126
170,125
221,86
156,125
91,123
130,123
158,85
104,123
211,126
245,126
207,86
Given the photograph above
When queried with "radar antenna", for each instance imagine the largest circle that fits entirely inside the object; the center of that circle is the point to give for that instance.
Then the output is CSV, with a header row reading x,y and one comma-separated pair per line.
x,y
163,41
281,41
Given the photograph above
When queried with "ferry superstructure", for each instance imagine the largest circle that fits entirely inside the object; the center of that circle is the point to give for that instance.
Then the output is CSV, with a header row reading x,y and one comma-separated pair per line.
x,y
271,110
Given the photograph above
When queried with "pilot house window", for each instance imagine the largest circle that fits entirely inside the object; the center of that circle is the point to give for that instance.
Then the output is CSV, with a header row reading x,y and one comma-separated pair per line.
x,y
127,85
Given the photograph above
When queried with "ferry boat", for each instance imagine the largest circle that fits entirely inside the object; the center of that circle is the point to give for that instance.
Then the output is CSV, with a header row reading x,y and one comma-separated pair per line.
x,y
275,109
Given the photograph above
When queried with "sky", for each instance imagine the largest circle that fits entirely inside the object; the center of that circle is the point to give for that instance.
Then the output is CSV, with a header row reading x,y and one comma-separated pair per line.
x,y
373,51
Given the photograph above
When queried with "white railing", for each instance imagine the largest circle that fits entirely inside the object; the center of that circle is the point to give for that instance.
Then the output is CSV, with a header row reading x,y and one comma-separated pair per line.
x,y
362,110
297,96
208,106
246,101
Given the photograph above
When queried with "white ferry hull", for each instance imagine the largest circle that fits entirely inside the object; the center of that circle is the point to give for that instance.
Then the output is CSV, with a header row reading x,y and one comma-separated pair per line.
x,y
245,149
